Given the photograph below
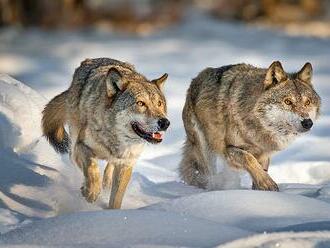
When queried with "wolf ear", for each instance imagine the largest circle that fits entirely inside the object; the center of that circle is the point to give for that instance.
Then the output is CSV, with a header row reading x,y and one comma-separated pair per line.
x,y
275,74
114,82
306,73
160,81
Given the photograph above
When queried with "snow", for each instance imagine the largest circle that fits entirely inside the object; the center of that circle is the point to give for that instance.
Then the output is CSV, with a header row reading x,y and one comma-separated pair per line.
x,y
12,95
122,228
255,211
39,190
283,240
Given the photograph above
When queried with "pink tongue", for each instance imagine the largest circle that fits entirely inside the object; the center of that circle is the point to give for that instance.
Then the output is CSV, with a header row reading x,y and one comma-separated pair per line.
x,y
157,136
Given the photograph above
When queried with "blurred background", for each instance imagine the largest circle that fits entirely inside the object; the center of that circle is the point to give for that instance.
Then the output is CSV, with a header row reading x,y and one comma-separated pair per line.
x,y
309,17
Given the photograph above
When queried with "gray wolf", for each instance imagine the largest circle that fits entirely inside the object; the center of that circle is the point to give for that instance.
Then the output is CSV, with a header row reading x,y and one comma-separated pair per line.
x,y
244,114
111,111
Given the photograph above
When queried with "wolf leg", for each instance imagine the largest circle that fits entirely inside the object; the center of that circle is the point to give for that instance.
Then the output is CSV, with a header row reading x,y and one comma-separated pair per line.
x,y
83,157
107,176
192,168
195,164
242,159
120,179
92,188
265,164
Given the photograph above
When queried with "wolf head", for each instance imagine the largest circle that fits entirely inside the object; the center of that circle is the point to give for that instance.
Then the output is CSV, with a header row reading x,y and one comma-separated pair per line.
x,y
288,105
138,104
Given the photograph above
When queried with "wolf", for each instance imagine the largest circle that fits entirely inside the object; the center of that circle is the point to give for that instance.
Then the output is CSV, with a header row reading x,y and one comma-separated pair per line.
x,y
111,111
244,114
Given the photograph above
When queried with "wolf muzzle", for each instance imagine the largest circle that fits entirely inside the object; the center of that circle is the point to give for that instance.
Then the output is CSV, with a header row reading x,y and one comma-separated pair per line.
x,y
163,124
307,123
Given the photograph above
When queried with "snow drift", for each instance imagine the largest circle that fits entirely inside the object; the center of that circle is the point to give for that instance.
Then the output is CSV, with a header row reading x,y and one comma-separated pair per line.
x,y
123,228
20,112
256,211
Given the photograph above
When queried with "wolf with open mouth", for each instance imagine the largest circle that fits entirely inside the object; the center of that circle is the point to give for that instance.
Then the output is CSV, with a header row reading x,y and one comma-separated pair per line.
x,y
111,111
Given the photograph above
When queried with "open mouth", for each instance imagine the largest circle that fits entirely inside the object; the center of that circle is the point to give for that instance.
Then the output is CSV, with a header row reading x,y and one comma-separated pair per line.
x,y
151,137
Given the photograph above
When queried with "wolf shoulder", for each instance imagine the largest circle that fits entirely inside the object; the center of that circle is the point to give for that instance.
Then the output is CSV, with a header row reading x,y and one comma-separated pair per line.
x,y
226,79
224,75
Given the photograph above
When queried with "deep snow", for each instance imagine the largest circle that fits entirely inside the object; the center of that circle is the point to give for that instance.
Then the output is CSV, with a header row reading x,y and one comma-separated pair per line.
x,y
36,183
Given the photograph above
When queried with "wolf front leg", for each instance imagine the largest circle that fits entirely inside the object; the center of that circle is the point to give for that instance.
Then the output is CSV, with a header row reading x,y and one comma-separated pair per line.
x,y
264,161
83,156
120,179
242,159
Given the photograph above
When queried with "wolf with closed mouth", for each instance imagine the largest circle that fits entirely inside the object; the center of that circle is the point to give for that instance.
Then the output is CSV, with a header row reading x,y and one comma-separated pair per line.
x,y
244,114
111,111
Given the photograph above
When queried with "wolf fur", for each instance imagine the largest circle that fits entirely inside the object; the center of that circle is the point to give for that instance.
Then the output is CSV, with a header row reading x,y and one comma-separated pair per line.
x,y
244,114
111,111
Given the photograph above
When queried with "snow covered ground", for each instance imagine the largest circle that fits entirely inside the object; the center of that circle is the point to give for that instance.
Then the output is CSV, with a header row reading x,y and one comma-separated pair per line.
x,y
36,183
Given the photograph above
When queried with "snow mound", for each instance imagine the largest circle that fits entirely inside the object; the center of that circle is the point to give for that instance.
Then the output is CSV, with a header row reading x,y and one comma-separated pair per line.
x,y
122,228
20,113
21,186
34,181
283,240
251,210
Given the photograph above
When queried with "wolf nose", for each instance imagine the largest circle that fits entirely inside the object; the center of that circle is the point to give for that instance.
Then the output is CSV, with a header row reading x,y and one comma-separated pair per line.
x,y
307,123
163,124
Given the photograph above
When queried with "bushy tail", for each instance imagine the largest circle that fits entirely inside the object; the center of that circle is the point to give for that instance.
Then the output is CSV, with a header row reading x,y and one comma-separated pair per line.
x,y
53,120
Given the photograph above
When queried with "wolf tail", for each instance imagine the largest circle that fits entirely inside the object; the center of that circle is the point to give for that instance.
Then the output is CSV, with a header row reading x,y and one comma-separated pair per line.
x,y
53,120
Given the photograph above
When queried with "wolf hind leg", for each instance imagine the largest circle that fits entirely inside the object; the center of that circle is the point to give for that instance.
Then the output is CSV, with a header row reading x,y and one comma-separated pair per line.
x,y
192,168
83,157
195,167
120,179
107,176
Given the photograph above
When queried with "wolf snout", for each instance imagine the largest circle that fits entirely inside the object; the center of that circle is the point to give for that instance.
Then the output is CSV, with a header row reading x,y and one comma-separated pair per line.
x,y
307,123
163,124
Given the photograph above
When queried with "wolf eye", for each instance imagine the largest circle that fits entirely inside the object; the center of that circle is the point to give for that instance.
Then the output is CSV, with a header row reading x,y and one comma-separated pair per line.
x,y
140,103
288,102
159,103
308,102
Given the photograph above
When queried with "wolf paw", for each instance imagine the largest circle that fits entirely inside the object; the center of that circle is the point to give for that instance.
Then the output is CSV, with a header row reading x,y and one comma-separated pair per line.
x,y
267,184
91,193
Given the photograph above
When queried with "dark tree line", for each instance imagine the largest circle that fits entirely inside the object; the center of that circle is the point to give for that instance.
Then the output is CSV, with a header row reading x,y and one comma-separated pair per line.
x,y
132,14
75,13
273,10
